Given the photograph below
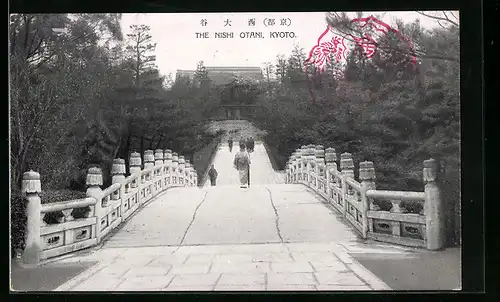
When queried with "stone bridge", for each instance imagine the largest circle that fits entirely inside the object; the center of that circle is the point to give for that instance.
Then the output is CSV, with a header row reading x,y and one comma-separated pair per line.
x,y
157,229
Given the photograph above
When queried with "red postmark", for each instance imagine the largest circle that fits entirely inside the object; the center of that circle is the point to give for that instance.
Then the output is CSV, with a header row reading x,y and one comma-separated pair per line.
x,y
330,43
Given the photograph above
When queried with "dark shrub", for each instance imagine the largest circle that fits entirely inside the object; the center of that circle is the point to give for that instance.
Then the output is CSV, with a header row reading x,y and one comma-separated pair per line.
x,y
17,221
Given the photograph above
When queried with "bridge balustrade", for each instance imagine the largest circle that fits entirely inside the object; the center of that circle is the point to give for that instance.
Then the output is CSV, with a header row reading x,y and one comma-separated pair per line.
x,y
408,218
86,222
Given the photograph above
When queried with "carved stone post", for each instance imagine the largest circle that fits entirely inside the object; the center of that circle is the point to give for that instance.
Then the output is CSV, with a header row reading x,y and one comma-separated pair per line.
x,y
367,178
158,157
149,159
290,169
433,208
31,186
175,167
94,181
135,164
309,158
158,172
182,166
167,159
303,164
149,163
347,169
189,175
118,171
319,154
135,169
297,170
331,168
118,176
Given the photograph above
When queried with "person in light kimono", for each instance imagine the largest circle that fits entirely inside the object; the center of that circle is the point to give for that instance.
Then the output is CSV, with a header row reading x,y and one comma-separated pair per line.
x,y
242,164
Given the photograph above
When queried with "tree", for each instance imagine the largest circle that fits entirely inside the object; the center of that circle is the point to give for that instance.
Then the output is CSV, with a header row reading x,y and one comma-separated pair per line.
x,y
280,68
295,69
140,49
52,60
201,75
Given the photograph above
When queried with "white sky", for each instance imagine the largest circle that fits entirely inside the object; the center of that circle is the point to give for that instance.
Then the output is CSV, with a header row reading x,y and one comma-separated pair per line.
x,y
178,48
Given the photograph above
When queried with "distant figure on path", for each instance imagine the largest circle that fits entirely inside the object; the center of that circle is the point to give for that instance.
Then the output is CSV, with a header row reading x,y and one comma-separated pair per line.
x,y
243,141
242,164
230,142
250,144
212,173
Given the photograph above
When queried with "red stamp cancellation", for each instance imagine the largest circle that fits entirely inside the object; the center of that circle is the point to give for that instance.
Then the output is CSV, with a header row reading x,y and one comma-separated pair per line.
x,y
330,44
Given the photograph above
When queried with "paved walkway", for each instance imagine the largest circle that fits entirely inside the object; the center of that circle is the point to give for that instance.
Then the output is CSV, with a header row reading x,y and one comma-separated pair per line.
x,y
261,170
267,237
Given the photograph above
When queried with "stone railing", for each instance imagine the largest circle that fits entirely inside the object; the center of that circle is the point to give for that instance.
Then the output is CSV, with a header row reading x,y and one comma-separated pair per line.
x,y
78,224
399,217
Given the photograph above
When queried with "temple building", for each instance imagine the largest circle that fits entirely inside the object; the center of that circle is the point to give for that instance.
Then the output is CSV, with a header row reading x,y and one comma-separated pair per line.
x,y
224,75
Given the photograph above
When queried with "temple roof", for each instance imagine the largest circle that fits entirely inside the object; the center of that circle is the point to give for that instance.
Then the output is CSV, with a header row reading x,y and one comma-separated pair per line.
x,y
225,74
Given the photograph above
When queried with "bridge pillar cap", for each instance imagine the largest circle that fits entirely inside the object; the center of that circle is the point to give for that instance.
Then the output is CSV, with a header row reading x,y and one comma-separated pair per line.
x,y
31,175
31,182
94,177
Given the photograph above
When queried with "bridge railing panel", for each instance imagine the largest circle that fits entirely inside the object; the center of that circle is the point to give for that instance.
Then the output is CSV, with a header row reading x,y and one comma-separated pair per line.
x,y
130,199
86,222
72,231
353,205
397,224
400,217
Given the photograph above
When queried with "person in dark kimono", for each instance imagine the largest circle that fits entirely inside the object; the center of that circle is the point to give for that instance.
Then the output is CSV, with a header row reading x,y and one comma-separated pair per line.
x,y
212,173
251,144
230,143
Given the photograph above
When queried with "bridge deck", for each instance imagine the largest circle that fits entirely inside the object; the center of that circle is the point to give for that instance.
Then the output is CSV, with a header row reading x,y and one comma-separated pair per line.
x,y
272,236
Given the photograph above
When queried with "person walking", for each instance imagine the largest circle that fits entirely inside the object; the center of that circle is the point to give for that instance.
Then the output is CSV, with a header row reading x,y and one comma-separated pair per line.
x,y
230,143
252,144
243,141
212,173
247,144
242,164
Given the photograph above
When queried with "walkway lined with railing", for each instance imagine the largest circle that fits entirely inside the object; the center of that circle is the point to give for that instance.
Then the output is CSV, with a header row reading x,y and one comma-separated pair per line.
x,y
297,230
267,237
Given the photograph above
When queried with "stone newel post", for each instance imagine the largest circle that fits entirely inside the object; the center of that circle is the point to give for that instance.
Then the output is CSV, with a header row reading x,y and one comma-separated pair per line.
x,y
94,181
118,176
149,163
367,178
149,159
290,169
182,167
189,173
135,164
319,154
330,158
311,163
175,166
158,172
118,170
167,159
433,208
158,157
303,164
31,186
347,169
